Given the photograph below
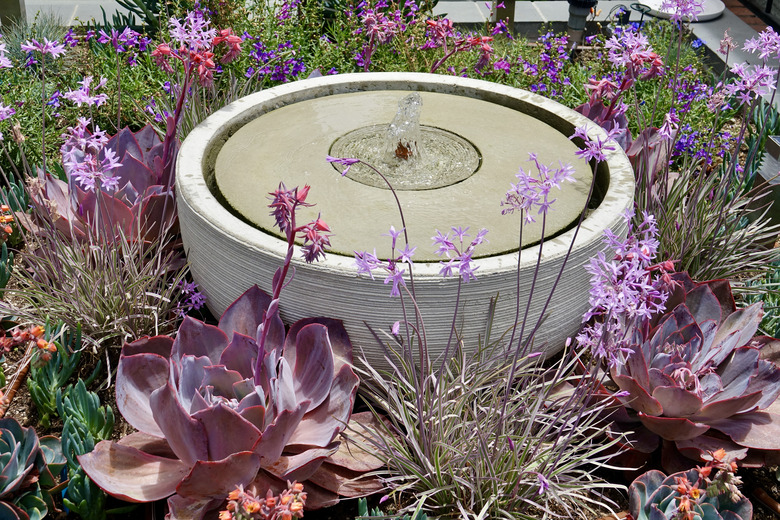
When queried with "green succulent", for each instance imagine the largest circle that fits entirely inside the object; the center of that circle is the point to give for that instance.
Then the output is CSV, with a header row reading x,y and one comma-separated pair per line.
x,y
27,469
654,496
46,380
365,514
86,422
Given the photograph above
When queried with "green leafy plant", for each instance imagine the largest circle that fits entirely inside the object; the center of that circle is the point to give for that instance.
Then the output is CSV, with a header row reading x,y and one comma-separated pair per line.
x,y
27,469
6,266
47,380
696,493
86,422
376,513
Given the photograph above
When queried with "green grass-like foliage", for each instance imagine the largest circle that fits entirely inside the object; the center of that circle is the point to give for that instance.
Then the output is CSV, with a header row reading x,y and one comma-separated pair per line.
x,y
86,422
477,447
376,513
48,379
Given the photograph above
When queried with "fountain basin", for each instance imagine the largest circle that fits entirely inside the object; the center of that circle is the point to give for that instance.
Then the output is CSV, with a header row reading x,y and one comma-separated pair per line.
x,y
231,245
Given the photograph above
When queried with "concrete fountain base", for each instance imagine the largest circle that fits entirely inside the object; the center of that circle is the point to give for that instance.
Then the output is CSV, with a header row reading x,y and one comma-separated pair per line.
x,y
228,252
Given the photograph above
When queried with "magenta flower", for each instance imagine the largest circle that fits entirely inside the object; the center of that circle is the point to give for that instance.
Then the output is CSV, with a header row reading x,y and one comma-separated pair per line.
x,y
47,47
284,204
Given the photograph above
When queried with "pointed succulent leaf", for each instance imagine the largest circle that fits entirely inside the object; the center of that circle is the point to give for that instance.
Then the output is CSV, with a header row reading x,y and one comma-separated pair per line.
x,y
739,369
137,377
240,355
321,425
246,313
135,173
216,478
186,435
130,474
703,304
311,359
300,466
743,322
673,428
123,142
638,398
337,334
196,338
227,432
759,430
278,433
676,401
724,408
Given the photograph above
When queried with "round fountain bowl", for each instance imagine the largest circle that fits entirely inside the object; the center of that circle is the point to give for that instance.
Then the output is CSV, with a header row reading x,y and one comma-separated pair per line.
x,y
228,165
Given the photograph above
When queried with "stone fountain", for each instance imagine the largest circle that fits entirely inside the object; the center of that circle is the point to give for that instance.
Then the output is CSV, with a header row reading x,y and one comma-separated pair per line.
x,y
229,164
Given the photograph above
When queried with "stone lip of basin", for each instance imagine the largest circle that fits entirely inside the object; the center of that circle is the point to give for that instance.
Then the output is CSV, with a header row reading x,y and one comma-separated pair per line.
x,y
228,255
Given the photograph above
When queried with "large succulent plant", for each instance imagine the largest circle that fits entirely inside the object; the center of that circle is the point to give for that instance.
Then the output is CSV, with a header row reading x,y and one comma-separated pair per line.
x,y
654,496
27,469
695,379
215,411
142,204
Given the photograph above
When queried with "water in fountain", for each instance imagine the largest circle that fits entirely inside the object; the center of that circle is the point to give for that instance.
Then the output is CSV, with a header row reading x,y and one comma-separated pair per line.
x,y
411,155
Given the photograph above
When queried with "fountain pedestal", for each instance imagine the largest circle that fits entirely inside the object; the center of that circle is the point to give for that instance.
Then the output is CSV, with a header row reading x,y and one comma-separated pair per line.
x,y
229,163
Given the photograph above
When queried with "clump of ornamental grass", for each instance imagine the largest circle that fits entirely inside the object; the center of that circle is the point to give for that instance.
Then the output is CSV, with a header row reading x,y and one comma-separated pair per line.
x,y
697,187
116,289
477,447
495,433
100,268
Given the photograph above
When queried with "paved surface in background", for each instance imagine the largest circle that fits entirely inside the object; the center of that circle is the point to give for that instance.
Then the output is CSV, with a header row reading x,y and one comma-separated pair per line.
x,y
529,16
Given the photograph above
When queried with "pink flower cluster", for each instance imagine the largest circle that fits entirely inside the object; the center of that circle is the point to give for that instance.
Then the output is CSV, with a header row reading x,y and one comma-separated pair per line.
x,y
196,42
284,204
83,161
533,191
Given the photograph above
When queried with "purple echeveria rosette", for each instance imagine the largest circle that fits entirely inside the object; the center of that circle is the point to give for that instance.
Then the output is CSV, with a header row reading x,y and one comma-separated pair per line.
x,y
214,412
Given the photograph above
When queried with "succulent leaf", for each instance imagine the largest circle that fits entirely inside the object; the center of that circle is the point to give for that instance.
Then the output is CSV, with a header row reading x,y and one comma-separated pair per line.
x,y
698,367
215,410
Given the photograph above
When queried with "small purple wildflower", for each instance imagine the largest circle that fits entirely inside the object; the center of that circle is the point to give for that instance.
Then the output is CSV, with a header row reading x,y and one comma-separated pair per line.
x,y
6,112
750,82
683,10
52,48
191,299
593,148
767,44
531,193
459,258
5,63
367,263
344,161
624,292
192,32
81,96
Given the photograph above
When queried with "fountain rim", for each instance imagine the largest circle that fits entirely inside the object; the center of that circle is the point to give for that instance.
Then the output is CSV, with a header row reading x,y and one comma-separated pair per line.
x,y
200,148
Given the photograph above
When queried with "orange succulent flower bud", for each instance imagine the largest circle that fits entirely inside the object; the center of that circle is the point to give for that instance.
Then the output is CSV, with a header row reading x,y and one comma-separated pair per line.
x,y
37,331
